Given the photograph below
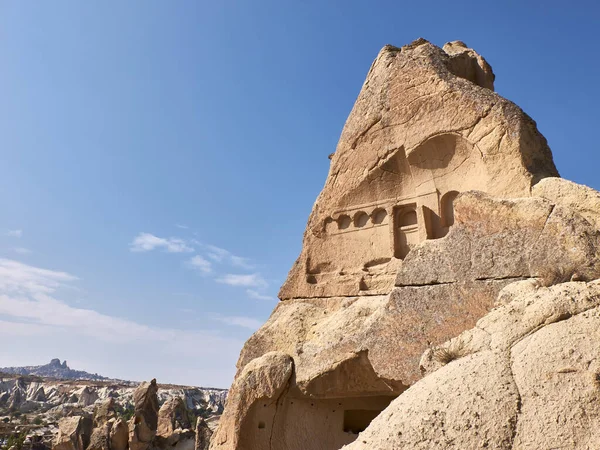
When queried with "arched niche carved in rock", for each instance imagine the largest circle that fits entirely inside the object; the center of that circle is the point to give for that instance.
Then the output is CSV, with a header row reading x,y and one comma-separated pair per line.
x,y
447,208
447,162
406,230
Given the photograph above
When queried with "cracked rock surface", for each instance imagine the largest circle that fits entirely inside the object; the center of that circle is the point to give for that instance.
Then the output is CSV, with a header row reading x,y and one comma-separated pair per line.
x,y
525,377
433,220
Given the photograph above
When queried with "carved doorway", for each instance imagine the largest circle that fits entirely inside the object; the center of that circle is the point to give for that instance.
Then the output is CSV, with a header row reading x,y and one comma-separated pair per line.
x,y
406,230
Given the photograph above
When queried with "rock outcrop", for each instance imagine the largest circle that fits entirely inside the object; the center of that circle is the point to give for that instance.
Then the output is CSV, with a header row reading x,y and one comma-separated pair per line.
x,y
54,369
426,126
441,204
74,433
143,424
119,435
527,376
174,426
203,435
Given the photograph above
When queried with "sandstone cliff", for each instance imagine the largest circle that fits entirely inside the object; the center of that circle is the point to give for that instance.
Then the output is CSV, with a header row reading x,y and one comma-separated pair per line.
x,y
442,203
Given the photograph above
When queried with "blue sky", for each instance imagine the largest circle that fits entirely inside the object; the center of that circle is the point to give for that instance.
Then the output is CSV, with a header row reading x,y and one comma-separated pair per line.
x,y
159,159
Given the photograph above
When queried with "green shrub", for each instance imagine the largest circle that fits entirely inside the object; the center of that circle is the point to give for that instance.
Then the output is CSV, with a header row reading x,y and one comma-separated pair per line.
x,y
16,441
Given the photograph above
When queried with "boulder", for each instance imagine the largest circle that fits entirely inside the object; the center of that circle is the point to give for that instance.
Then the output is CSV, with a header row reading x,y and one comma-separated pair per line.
x,y
73,433
143,424
256,389
565,193
100,439
174,426
525,377
173,415
203,435
119,435
105,411
87,396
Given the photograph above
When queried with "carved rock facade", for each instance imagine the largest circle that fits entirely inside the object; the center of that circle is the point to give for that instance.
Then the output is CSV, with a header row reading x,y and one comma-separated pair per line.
x,y
427,215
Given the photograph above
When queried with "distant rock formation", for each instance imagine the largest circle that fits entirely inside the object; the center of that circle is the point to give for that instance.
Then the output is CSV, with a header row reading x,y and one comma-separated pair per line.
x,y
149,428
46,401
143,424
55,369
442,203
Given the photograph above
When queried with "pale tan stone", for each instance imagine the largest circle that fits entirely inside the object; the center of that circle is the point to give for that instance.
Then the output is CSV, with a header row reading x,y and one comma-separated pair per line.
x,y
425,224
203,435
258,386
583,199
119,435
173,414
73,433
143,424
525,377
100,439
422,130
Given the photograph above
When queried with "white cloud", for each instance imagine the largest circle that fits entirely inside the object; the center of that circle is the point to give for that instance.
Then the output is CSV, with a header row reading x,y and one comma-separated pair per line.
x,y
19,278
14,233
221,255
201,264
258,296
243,263
183,227
244,280
30,308
145,242
21,250
216,253
240,321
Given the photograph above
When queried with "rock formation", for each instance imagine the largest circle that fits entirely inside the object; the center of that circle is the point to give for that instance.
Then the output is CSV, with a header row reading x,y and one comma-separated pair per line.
x,y
442,202
54,369
527,376
174,426
74,433
143,424
203,435
110,404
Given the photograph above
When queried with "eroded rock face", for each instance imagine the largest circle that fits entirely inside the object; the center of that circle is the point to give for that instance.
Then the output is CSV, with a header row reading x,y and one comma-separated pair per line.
x,y
425,127
203,435
525,377
119,435
174,427
252,403
143,425
74,433
425,224
583,199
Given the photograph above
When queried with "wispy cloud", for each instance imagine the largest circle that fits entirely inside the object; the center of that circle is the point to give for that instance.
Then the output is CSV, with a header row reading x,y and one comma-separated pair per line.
x,y
258,296
28,302
221,255
243,280
15,233
183,227
145,242
199,263
23,279
240,321
21,250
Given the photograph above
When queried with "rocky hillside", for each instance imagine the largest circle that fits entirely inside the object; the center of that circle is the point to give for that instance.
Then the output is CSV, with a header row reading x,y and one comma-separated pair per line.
x,y
55,369
36,404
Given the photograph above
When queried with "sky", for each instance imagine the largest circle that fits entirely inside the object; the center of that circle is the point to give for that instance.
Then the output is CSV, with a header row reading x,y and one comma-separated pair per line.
x,y
159,159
